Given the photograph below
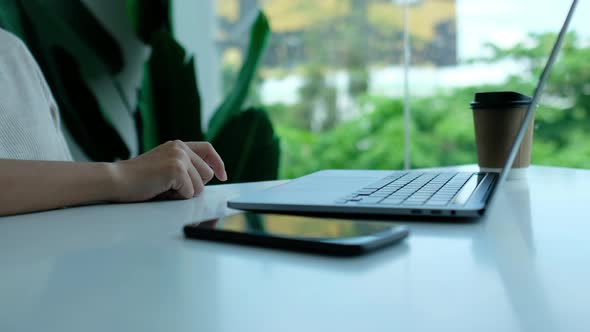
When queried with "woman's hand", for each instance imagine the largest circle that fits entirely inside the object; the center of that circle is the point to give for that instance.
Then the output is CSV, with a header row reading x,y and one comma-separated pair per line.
x,y
174,170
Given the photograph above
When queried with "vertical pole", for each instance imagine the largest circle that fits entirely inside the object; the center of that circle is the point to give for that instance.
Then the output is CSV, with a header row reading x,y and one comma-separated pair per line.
x,y
407,60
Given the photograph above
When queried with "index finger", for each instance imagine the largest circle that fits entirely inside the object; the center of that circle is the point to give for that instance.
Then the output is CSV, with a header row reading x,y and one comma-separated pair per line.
x,y
206,151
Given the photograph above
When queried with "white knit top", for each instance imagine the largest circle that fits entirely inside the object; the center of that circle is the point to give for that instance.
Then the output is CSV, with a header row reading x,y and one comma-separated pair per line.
x,y
29,117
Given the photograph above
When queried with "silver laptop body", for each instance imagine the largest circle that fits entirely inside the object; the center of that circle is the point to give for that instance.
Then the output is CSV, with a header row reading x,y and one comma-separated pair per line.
x,y
396,193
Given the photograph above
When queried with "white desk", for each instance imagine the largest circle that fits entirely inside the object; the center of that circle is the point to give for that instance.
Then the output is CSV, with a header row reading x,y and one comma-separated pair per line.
x,y
525,267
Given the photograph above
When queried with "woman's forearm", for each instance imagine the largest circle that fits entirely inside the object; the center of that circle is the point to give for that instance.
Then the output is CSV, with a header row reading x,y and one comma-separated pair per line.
x,y
173,170
27,186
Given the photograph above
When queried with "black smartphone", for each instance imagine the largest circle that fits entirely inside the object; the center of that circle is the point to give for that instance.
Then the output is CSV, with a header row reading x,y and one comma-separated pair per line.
x,y
341,237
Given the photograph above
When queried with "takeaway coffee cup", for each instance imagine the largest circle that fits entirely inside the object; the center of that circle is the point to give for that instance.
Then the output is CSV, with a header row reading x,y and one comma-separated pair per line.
x,y
497,117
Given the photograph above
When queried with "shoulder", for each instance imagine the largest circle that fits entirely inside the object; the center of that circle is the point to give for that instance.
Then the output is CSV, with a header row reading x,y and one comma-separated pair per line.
x,y
10,42
15,53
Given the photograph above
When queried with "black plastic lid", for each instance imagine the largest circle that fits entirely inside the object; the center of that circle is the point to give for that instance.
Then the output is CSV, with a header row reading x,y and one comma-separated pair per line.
x,y
500,99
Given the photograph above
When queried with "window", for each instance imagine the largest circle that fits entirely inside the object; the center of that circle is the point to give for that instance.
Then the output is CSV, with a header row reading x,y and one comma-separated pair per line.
x,y
335,75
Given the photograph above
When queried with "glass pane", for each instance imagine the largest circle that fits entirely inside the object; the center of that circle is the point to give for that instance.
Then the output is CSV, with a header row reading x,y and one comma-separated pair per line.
x,y
503,45
333,77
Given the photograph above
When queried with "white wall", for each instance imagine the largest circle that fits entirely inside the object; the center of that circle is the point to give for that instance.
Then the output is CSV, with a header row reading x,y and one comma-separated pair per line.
x,y
195,27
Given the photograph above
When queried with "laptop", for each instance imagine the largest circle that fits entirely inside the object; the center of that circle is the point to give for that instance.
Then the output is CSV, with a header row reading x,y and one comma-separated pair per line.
x,y
397,193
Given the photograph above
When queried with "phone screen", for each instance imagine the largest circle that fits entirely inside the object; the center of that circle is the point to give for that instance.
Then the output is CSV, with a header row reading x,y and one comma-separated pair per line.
x,y
290,226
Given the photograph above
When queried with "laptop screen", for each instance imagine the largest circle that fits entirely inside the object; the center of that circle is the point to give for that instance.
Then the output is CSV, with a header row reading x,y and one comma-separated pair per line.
x,y
538,90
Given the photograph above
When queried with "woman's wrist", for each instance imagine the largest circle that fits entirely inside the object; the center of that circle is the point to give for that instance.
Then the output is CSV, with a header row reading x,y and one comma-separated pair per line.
x,y
111,190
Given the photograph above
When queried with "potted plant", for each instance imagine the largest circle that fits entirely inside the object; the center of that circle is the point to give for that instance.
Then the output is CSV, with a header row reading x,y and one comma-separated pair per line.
x,y
72,47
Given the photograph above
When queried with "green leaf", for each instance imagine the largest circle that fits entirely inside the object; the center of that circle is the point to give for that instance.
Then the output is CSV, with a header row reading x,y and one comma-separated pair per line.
x,y
145,116
67,62
78,19
89,30
234,101
169,98
88,118
249,147
148,17
10,17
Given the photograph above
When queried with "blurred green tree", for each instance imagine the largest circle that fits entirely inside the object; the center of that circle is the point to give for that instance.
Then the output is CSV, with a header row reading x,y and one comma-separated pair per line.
x,y
442,124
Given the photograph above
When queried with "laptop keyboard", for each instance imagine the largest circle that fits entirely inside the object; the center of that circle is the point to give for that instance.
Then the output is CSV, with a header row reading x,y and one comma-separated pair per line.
x,y
415,189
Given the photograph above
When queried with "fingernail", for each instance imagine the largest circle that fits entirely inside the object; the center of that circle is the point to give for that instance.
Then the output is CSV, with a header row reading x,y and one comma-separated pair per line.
x,y
224,176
